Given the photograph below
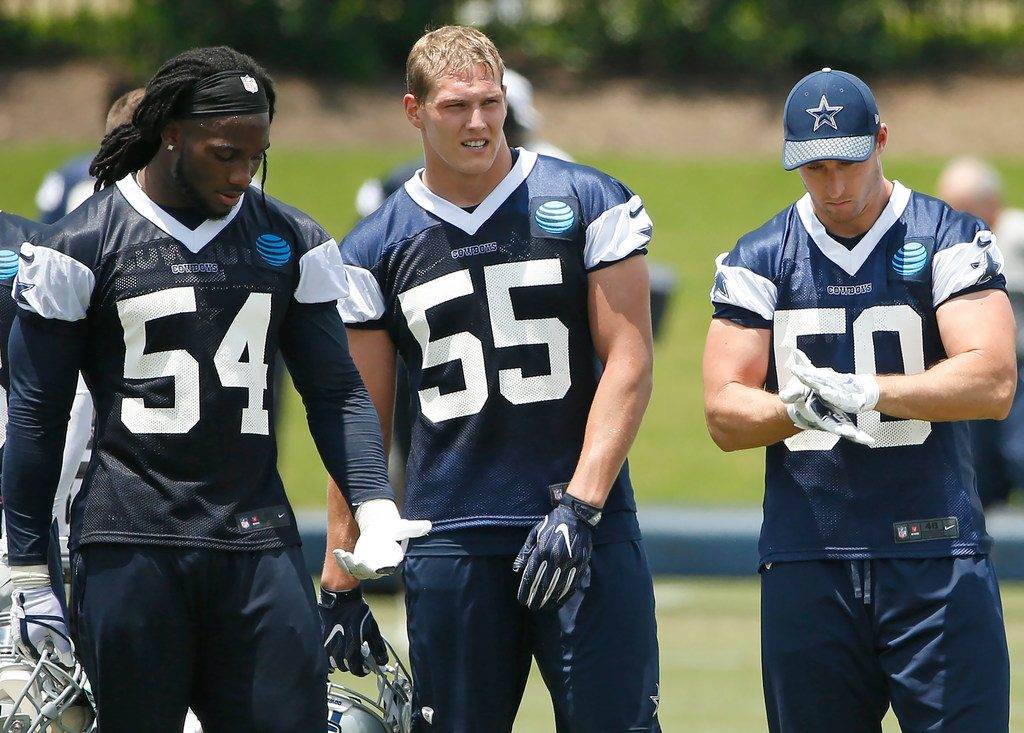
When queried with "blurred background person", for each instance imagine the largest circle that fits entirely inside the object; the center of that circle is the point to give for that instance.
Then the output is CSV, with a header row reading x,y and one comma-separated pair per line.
x,y
63,189
974,186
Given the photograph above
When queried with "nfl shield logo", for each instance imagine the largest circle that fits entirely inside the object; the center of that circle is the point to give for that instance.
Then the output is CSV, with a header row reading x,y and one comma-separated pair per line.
x,y
244,523
901,532
250,84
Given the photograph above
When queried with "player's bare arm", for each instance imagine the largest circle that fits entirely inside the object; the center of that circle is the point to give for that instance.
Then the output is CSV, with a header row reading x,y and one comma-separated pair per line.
x,y
978,379
619,305
739,412
374,356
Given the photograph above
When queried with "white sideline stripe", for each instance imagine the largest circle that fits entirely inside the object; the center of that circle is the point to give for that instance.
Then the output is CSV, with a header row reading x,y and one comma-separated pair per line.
x,y
614,234
745,289
53,284
321,275
364,300
953,270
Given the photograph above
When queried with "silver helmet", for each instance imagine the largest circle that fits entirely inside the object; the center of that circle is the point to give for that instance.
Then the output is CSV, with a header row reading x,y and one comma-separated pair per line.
x,y
349,711
41,696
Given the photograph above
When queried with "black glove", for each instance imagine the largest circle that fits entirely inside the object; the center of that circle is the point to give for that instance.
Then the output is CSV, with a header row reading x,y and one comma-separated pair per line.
x,y
555,558
347,625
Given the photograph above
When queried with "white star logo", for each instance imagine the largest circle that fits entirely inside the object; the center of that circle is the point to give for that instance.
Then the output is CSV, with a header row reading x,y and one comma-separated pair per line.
x,y
656,699
824,115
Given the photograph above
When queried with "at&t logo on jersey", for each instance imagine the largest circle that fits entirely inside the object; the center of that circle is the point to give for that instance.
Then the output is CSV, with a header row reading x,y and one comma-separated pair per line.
x,y
274,249
910,262
553,217
8,264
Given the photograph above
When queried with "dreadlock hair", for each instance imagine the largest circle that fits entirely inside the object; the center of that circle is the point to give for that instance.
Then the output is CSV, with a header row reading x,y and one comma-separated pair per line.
x,y
129,147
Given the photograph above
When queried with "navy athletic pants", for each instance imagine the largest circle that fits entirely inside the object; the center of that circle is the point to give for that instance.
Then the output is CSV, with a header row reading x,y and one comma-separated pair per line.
x,y
841,641
471,644
234,635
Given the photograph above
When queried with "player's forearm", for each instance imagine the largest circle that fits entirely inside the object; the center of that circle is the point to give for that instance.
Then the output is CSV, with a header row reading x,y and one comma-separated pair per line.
x,y
974,385
615,415
740,417
342,533
341,417
43,371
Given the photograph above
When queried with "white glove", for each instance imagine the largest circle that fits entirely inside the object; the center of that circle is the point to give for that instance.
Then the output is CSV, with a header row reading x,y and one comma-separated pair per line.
x,y
381,545
37,619
845,392
808,412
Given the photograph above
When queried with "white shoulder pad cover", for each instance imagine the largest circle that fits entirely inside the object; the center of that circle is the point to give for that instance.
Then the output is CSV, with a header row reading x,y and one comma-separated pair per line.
x,y
744,288
617,232
52,284
321,275
964,265
365,301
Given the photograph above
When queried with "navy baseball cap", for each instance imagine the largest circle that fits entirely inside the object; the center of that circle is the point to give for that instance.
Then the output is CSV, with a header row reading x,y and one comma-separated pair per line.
x,y
830,115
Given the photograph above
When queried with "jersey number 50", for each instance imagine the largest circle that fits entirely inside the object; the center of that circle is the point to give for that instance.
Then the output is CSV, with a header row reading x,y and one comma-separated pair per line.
x,y
507,329
899,319
248,330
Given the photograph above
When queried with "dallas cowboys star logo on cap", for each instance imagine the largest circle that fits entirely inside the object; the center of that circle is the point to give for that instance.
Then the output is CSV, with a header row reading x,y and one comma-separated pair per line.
x,y
823,114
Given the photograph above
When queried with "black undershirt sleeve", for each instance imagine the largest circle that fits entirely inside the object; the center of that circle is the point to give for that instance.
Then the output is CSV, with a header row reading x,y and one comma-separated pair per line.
x,y
43,363
341,416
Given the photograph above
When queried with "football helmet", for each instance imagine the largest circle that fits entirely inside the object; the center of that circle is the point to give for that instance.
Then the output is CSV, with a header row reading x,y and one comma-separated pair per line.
x,y
41,696
349,711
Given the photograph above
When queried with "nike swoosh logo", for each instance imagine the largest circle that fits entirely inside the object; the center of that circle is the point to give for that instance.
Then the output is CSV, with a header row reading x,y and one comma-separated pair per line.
x,y
636,212
946,528
565,535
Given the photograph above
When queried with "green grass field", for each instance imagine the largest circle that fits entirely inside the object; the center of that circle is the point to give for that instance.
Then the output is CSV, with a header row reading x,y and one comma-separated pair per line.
x,y
699,210
708,628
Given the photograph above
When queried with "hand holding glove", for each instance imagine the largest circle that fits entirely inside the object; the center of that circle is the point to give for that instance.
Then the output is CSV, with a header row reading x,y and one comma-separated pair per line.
x,y
556,556
844,392
37,617
380,548
348,626
809,412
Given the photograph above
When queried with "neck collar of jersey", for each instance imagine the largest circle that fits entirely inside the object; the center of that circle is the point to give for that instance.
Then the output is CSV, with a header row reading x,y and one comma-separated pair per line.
x,y
193,239
459,217
850,260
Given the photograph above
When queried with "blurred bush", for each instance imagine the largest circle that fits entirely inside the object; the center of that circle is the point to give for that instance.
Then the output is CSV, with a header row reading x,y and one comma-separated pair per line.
x,y
361,39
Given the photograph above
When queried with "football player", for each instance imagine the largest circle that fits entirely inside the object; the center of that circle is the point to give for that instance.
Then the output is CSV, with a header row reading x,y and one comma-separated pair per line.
x,y
502,278
171,289
15,230
854,333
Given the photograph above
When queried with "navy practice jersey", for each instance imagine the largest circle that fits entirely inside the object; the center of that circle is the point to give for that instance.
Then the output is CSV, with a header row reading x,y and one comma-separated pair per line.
x,y
488,308
869,310
14,230
177,329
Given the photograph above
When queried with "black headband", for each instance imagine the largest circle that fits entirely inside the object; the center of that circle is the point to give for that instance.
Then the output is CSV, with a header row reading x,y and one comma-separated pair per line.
x,y
227,93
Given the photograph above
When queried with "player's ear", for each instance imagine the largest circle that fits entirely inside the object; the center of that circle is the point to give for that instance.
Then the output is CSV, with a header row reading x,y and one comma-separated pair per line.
x,y
883,137
171,135
412,111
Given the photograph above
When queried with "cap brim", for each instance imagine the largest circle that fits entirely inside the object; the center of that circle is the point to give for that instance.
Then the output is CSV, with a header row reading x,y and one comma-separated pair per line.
x,y
796,153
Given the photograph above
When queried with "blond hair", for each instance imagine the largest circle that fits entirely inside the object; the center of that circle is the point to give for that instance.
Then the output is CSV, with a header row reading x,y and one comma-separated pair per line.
x,y
449,50
121,111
